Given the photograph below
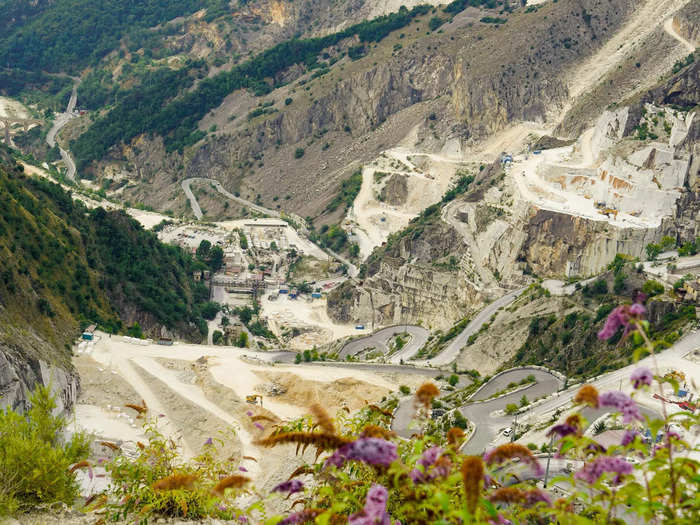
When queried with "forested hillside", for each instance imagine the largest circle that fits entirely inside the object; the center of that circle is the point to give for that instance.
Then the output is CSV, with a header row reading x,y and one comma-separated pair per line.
x,y
67,35
64,264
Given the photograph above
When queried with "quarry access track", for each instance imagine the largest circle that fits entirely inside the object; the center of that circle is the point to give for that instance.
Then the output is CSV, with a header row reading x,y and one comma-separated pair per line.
x,y
353,270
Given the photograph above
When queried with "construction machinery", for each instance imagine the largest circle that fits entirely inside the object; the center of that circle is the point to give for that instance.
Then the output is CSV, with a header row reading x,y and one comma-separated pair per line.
x,y
254,399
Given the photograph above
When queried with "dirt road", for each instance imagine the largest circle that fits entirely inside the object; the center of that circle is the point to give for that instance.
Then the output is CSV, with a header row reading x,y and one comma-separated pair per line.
x,y
59,123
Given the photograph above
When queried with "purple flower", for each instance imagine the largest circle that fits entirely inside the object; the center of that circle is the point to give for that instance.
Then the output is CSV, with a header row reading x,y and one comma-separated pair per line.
x,y
416,475
242,519
562,430
208,442
292,486
243,469
628,437
622,403
221,506
591,472
374,512
259,426
536,496
249,413
622,316
430,456
641,376
375,451
297,517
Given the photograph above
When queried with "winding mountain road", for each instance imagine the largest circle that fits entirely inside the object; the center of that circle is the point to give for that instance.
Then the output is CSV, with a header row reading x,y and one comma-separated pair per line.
x,y
58,124
380,339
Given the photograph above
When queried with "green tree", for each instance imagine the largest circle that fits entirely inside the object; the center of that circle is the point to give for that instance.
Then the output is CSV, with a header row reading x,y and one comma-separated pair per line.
x,y
216,258
203,250
242,340
453,379
653,251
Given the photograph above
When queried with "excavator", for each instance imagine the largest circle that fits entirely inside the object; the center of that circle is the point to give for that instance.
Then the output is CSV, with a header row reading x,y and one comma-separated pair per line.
x,y
254,399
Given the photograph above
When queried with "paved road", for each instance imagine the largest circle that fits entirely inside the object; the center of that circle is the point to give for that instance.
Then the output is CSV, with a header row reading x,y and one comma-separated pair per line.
x,y
190,197
59,123
451,353
379,340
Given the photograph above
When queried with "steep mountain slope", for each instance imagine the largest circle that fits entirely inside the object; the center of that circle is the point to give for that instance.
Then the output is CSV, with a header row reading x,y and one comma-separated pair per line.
x,y
560,213
345,111
64,266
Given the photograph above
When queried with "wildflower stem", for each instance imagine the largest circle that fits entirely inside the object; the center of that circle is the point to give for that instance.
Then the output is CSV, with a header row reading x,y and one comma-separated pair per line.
x,y
671,472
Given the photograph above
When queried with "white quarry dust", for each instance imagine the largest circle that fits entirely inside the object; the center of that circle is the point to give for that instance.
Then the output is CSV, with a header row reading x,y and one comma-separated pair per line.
x,y
244,372
12,109
648,16
300,313
372,221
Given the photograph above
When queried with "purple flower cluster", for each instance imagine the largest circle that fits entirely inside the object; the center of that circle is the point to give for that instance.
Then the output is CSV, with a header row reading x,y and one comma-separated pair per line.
x,y
641,376
622,316
591,472
536,496
429,459
622,403
292,486
375,451
562,430
628,437
430,456
374,512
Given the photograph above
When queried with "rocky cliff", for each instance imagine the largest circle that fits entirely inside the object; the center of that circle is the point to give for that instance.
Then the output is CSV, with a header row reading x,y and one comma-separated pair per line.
x,y
475,77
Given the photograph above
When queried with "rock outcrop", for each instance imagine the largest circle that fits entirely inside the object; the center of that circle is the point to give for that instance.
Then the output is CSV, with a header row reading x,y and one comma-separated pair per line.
x,y
19,377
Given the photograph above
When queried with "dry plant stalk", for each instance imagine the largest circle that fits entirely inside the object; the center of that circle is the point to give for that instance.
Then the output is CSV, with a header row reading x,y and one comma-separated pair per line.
x,y
82,464
323,419
175,482
425,394
235,481
375,431
110,445
262,417
320,440
473,477
379,410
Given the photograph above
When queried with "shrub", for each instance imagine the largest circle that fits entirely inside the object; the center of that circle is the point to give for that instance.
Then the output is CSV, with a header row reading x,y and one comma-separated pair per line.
x,y
299,153
652,288
404,390
35,463
511,408
453,379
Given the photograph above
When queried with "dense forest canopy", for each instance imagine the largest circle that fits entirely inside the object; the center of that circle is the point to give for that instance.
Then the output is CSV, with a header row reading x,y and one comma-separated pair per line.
x,y
67,35
88,265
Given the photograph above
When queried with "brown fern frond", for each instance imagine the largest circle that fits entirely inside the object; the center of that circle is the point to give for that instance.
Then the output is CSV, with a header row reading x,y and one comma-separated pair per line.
x,y
304,469
138,408
297,502
100,521
317,439
587,395
426,393
175,481
472,477
346,409
262,417
231,482
375,431
507,495
140,445
110,445
379,410
323,419
455,436
81,464
251,458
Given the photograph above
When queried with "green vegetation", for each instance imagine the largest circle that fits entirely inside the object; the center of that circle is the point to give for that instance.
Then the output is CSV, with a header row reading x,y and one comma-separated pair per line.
x,y
67,35
680,64
86,265
36,463
347,193
652,288
152,107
